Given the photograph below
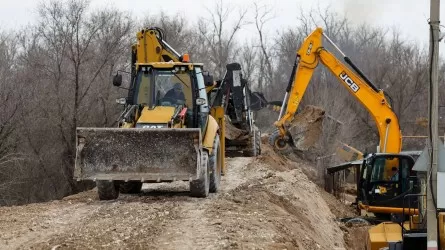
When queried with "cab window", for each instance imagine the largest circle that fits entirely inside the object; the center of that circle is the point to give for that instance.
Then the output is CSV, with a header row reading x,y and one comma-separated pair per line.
x,y
143,93
378,169
169,87
173,87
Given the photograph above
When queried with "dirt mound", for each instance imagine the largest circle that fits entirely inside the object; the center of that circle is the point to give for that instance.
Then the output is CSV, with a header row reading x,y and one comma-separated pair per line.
x,y
284,207
272,159
352,234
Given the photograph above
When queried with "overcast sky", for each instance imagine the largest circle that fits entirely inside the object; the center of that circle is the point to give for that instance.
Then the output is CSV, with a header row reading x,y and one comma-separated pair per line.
x,y
409,16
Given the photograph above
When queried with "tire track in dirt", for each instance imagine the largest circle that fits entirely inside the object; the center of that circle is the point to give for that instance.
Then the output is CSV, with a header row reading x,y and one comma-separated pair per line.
x,y
197,228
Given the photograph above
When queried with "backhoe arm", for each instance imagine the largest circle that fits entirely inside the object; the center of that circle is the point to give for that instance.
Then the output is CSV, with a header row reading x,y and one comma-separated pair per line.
x,y
152,48
308,56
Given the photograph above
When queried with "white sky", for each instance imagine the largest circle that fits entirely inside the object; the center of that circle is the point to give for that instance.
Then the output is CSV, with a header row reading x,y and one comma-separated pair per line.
x,y
408,16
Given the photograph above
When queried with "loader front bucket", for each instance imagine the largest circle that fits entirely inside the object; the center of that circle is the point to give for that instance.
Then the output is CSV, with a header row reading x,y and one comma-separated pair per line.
x,y
146,155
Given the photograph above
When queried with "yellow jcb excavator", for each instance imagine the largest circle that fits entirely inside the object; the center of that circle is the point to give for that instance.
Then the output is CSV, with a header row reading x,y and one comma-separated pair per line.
x,y
165,132
380,190
388,180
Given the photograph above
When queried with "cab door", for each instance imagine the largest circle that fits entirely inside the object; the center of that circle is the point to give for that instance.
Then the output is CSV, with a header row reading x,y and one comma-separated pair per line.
x,y
201,101
385,188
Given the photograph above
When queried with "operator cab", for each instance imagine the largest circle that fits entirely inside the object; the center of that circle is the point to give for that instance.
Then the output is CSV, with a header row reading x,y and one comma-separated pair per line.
x,y
386,179
176,88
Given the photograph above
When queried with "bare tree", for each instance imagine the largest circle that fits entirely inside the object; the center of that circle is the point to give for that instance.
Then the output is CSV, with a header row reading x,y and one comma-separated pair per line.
x,y
85,48
9,103
67,61
248,57
217,36
262,16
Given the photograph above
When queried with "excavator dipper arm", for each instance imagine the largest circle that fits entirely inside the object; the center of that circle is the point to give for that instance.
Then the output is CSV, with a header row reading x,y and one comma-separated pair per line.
x,y
310,54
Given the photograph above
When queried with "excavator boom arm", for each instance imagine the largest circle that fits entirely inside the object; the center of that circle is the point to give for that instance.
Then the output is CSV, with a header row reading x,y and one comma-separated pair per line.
x,y
308,56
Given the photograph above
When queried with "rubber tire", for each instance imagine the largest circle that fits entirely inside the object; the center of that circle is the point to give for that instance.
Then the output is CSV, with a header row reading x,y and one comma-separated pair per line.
x,y
284,151
215,171
131,187
258,141
273,137
107,190
200,187
254,143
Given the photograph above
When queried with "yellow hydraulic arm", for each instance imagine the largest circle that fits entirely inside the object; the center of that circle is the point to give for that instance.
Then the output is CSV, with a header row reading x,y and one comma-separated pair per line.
x,y
151,47
309,55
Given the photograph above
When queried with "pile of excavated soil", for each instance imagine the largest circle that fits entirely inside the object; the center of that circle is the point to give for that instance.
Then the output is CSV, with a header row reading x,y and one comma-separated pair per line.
x,y
284,207
354,235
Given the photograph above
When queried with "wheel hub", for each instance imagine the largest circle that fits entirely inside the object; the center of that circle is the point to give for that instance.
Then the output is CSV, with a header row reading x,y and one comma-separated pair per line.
x,y
281,143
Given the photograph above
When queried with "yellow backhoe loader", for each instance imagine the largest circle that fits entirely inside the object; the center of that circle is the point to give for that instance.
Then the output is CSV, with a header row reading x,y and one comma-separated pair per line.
x,y
164,134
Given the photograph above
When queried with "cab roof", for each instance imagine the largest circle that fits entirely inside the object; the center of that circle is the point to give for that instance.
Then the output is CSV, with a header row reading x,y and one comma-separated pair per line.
x,y
168,64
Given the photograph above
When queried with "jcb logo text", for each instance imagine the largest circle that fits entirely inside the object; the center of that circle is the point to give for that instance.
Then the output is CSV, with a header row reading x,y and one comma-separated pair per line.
x,y
349,81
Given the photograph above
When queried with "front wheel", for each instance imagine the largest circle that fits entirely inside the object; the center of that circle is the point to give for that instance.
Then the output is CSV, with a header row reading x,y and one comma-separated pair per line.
x,y
200,187
107,190
215,167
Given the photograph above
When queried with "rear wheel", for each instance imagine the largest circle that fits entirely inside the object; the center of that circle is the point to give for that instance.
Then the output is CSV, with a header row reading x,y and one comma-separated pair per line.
x,y
215,166
258,141
200,187
107,190
131,187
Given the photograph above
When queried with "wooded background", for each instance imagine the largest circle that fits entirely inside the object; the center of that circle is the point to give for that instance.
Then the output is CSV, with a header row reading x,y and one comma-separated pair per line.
x,y
55,75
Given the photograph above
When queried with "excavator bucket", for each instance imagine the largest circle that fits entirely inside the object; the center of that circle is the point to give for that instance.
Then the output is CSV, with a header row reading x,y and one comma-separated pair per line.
x,y
306,128
143,154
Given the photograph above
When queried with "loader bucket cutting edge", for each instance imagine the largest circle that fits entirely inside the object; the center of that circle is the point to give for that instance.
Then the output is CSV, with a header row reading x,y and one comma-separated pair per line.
x,y
138,154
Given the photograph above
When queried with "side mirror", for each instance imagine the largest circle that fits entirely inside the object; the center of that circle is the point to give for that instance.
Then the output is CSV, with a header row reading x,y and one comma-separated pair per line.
x,y
200,101
208,79
117,80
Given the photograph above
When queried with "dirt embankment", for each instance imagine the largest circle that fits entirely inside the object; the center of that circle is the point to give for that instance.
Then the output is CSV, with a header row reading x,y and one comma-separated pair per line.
x,y
265,203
